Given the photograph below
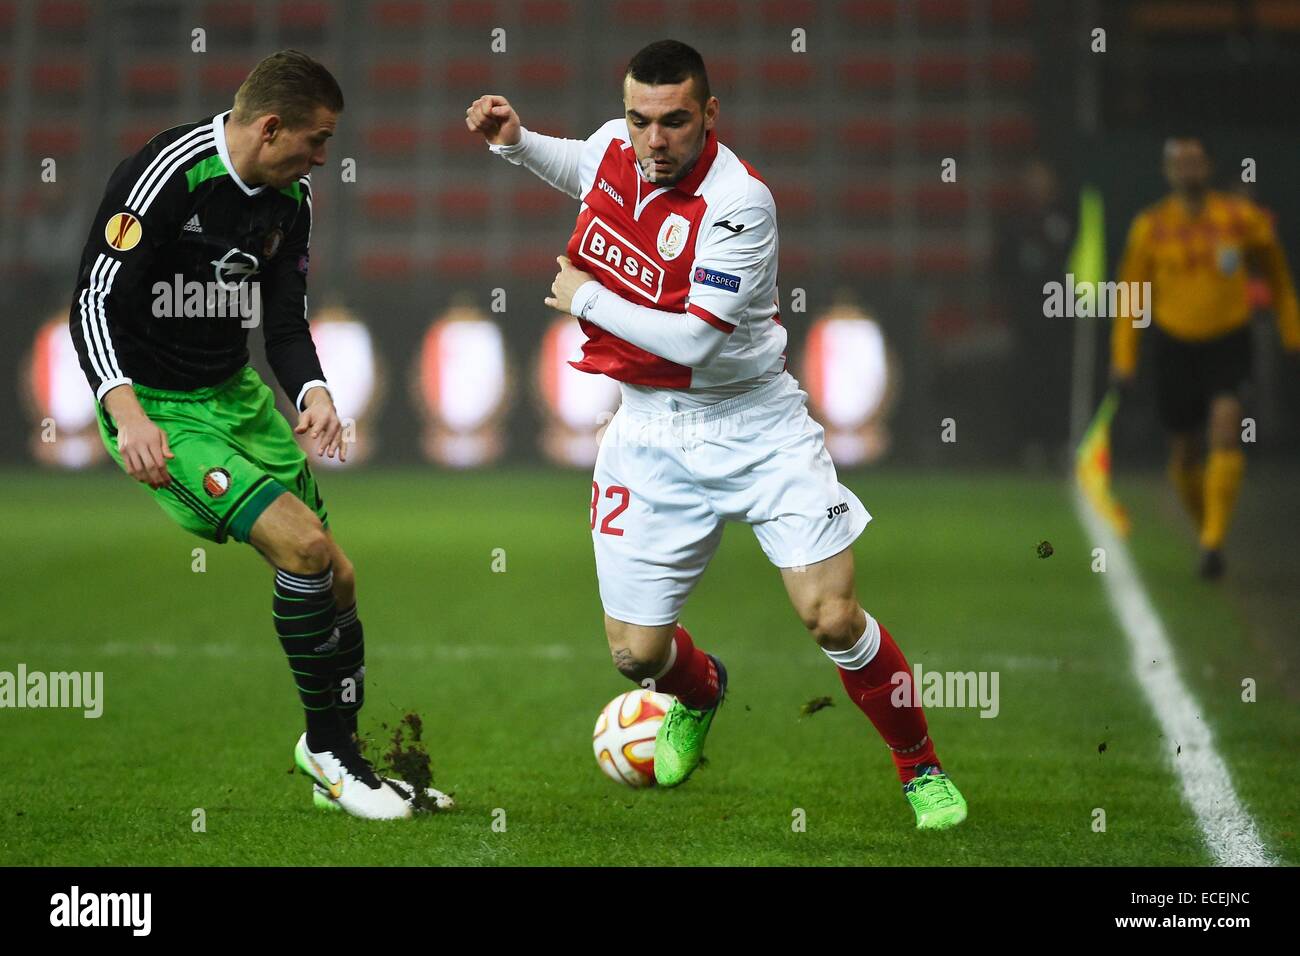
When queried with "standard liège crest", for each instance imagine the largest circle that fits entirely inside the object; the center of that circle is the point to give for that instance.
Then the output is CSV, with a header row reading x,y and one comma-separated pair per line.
x,y
123,231
672,236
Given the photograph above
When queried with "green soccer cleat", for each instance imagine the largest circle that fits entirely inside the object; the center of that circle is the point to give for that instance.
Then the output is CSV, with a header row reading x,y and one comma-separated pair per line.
x,y
935,798
679,744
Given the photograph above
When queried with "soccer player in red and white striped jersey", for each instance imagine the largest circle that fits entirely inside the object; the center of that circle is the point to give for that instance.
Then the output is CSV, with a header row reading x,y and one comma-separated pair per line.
x,y
671,271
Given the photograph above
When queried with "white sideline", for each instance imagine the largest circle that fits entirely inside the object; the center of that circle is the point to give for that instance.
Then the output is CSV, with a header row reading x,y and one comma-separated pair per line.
x,y
1207,786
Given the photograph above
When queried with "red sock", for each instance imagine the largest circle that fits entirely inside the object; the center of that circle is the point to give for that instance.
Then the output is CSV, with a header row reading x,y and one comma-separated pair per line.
x,y
692,679
902,728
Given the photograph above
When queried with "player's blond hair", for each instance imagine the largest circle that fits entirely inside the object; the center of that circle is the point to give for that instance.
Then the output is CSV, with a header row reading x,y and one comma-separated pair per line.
x,y
291,85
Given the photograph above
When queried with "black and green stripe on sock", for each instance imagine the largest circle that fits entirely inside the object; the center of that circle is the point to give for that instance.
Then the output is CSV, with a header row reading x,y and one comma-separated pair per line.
x,y
350,668
305,614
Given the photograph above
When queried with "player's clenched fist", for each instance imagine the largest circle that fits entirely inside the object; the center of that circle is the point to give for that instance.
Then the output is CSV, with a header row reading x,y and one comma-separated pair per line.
x,y
495,118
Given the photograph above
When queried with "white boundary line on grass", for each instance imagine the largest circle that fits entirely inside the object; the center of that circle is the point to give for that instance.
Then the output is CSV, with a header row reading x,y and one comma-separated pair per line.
x,y
1207,786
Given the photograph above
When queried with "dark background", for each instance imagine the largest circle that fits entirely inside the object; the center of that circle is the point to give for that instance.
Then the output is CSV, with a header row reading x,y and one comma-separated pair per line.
x,y
850,135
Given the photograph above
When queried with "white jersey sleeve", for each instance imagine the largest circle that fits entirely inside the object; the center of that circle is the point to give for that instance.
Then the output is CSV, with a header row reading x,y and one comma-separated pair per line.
x,y
567,164
550,158
676,336
733,277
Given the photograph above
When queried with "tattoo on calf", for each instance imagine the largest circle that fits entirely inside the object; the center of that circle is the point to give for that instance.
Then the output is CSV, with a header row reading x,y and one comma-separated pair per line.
x,y
628,665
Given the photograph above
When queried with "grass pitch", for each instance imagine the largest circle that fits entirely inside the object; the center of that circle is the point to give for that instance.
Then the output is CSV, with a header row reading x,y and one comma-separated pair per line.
x,y
508,670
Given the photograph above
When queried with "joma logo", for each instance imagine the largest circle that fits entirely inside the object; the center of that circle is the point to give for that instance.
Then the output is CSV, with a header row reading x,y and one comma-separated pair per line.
x,y
606,187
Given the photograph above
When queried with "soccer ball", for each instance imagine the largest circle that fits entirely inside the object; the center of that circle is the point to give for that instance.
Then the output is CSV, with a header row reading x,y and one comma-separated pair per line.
x,y
624,740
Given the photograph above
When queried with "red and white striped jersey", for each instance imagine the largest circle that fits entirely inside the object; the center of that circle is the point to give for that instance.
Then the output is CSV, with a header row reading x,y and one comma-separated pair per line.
x,y
706,245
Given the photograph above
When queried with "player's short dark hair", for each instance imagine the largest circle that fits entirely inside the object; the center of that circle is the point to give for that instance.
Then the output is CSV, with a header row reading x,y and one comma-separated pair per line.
x,y
670,62
290,84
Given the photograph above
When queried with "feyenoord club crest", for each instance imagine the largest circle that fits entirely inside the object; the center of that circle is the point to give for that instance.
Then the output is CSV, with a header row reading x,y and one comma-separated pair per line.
x,y
672,236
216,482
123,232
272,244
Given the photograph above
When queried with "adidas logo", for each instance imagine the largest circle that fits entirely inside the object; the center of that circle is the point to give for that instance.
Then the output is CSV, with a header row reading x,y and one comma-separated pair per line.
x,y
330,646
193,224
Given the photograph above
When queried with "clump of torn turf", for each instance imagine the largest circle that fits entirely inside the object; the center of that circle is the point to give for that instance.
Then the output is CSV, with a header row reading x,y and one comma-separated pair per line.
x,y
407,759
816,704
1045,549
410,760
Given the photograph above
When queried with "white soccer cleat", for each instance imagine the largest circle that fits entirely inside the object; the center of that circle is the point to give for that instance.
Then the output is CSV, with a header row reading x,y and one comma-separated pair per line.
x,y
443,801
348,781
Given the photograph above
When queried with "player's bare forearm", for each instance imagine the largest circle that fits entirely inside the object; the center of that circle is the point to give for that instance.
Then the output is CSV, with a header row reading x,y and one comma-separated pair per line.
x,y
317,393
120,402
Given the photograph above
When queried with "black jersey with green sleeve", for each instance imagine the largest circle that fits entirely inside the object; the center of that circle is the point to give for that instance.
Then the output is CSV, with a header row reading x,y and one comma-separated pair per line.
x,y
176,237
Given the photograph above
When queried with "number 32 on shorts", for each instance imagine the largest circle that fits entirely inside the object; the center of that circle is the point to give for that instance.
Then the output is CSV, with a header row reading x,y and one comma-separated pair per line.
x,y
611,491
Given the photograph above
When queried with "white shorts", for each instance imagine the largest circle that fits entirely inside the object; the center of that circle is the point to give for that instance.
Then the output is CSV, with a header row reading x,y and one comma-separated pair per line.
x,y
665,484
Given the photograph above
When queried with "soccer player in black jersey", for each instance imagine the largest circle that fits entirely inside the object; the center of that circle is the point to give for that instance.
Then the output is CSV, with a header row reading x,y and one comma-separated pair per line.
x,y
202,235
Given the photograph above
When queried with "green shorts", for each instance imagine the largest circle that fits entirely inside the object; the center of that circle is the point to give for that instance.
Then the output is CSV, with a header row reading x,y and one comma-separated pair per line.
x,y
235,454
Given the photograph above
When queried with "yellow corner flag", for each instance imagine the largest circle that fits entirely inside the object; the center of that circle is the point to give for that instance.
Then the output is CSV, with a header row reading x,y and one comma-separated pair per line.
x,y
1092,461
1088,256
1092,466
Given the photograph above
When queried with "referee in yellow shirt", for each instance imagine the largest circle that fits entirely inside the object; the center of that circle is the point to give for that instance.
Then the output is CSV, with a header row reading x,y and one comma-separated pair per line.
x,y
1194,247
